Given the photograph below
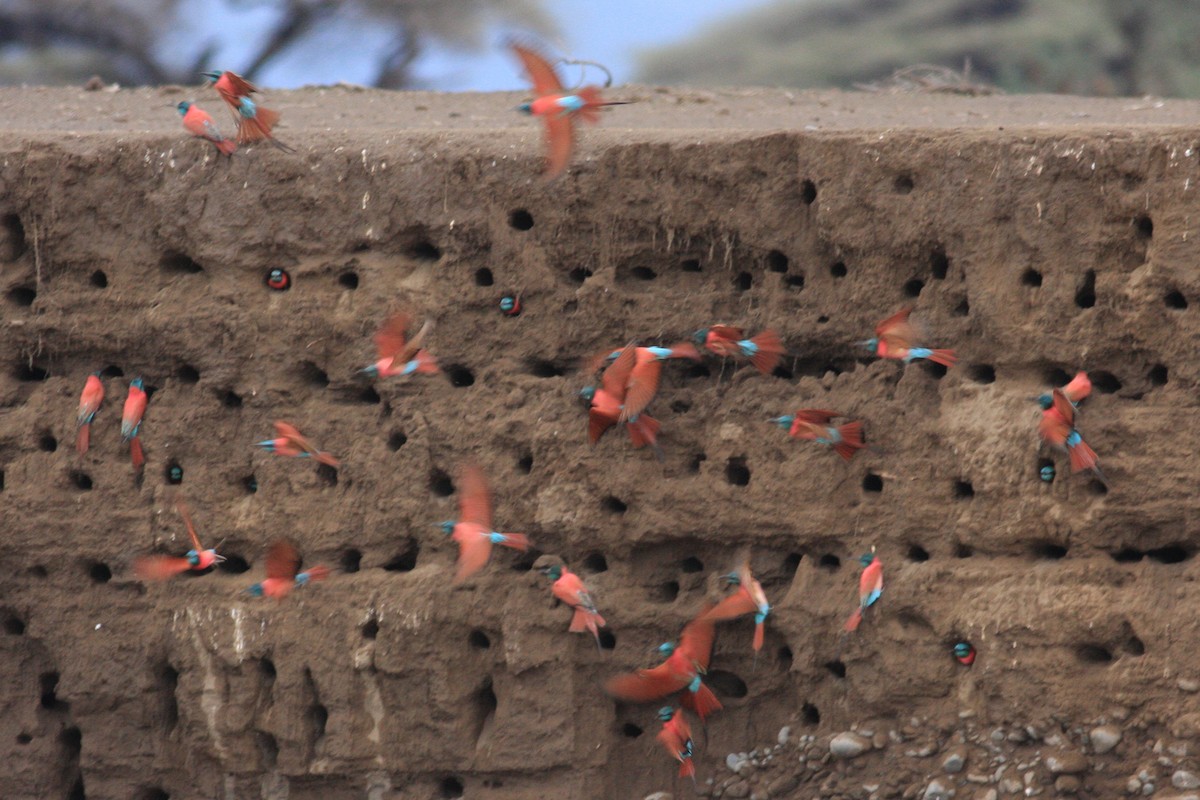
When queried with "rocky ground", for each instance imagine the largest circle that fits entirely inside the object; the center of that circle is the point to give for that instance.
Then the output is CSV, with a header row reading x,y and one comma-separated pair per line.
x,y
1035,235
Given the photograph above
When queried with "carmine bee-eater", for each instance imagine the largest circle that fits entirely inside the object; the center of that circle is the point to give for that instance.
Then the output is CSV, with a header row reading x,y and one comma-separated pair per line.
x,y
399,355
131,421
290,442
870,588
608,403
763,350
748,599
161,568
557,107
896,337
568,588
1057,428
283,572
676,736
200,124
473,530
682,671
89,404
813,424
254,122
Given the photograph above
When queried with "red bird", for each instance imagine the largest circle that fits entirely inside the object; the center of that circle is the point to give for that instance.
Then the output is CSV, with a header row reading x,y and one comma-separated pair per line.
x,y
557,107
608,402
1057,428
200,124
813,424
763,351
161,568
682,670
473,530
399,355
676,736
895,337
291,442
89,404
870,588
748,599
568,588
131,421
254,122
1076,391
283,572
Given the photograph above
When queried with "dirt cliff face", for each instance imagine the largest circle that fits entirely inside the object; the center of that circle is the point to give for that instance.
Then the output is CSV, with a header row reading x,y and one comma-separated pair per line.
x,y
1036,236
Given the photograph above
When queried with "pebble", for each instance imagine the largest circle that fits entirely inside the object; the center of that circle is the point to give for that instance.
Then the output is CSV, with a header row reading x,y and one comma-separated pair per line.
x,y
880,740
660,796
955,760
783,786
734,761
935,791
1188,685
1011,786
1067,762
1182,779
738,790
848,745
1105,738
1133,785
1067,784
785,733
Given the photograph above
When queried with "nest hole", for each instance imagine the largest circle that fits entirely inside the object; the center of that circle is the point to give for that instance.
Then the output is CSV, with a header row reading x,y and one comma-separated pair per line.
x,y
22,296
736,472
396,440
631,731
1093,654
483,277
327,474
913,287
872,483
691,565
173,473
452,787
48,686
14,234
48,443
348,280
540,368
830,562
963,490
1175,299
810,714
13,625
962,309
250,484
613,505
784,658
1127,555
666,592
1144,226
606,639
808,192
1105,382
1170,554
939,264
424,251
405,560
838,269
233,564
777,261
24,738
479,640
743,281
30,372
231,399
794,281
1049,551
1158,375
175,261
696,369
643,273
836,668
440,483
460,376
188,374
690,265
917,553
982,373
1134,646
370,629
1085,295
112,371
696,460
350,560
595,563
903,184
525,463
962,550
520,219
580,274
1031,277
933,369
727,683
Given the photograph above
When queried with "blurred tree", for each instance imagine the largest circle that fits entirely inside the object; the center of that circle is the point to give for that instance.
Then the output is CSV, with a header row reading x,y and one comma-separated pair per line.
x,y
142,41
1079,46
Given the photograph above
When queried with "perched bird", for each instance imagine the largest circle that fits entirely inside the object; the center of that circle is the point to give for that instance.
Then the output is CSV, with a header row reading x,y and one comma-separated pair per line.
x,y
557,107
1076,392
813,424
1057,428
608,403
200,124
676,736
283,572
870,587
763,350
682,671
290,442
161,568
131,421
895,337
254,122
399,355
89,404
748,599
473,530
568,588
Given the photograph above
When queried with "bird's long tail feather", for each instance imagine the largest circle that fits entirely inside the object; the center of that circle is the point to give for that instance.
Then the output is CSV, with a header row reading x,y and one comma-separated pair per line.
x,y
852,623
770,350
852,440
159,568
317,573
644,431
517,541
944,357
84,437
702,701
135,453
1083,457
325,458
426,364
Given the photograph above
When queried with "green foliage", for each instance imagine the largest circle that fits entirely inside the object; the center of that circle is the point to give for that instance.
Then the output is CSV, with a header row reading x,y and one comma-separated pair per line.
x,y
1071,46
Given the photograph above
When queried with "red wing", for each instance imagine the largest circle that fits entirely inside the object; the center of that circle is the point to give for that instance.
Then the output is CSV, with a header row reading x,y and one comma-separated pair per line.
x,y
728,332
816,416
392,336
474,497
735,605
159,568
643,385
560,137
1064,408
473,553
239,85
696,641
417,341
545,80
897,320
1052,428
1079,387
593,364
616,377
282,560
187,520
597,424
645,684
